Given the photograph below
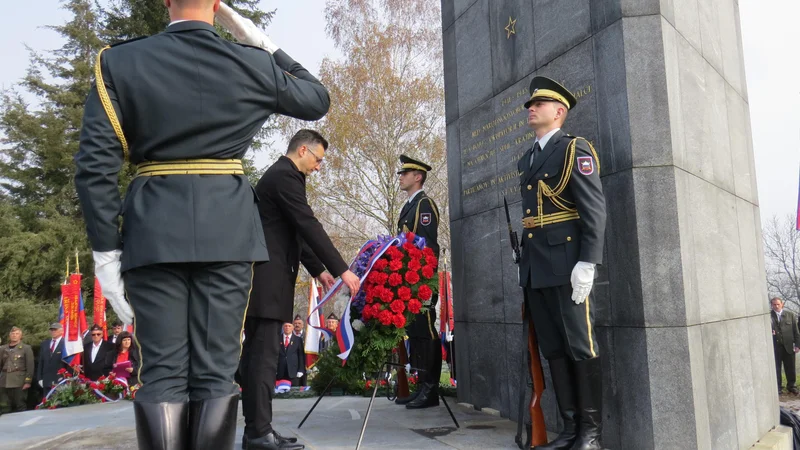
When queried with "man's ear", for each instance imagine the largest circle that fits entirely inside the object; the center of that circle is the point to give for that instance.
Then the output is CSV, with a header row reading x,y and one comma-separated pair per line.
x,y
215,7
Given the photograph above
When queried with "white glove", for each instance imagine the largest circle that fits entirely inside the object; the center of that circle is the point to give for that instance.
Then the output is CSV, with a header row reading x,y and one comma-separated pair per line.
x,y
582,279
107,270
514,256
299,374
243,29
41,384
408,368
448,337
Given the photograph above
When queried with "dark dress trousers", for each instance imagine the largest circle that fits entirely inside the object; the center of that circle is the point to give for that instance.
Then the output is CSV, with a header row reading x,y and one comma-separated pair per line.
x,y
293,235
550,252
785,336
50,363
188,240
101,366
421,216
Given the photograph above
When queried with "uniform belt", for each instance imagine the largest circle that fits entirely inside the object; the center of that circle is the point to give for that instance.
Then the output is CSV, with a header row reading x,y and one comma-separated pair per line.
x,y
190,167
547,219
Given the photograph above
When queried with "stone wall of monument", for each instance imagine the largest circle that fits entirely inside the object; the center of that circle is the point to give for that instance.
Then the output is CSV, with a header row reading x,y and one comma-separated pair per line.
x,y
681,305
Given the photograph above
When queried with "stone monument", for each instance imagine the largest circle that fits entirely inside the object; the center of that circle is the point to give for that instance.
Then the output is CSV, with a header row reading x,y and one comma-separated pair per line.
x,y
682,311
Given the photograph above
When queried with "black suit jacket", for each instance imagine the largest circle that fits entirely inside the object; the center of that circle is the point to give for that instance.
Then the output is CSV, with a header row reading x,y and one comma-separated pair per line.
x,y
293,235
550,253
785,333
50,363
102,362
185,93
292,358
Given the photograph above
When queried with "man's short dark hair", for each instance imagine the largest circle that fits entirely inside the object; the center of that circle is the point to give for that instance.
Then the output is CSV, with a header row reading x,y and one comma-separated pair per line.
x,y
424,176
116,323
306,137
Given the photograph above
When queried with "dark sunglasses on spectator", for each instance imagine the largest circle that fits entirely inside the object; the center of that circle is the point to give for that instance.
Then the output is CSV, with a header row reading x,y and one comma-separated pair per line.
x,y
97,334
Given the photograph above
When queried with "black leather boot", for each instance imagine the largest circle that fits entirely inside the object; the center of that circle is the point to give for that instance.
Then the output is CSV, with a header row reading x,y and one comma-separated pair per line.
x,y
428,397
562,372
162,426
212,423
409,399
590,402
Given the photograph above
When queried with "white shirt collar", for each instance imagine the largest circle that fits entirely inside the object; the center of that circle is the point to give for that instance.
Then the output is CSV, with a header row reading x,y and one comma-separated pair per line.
x,y
177,21
411,197
546,138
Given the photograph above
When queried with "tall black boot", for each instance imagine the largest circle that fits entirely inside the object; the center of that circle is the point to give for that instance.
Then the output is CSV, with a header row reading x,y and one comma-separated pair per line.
x,y
212,423
562,371
590,401
162,426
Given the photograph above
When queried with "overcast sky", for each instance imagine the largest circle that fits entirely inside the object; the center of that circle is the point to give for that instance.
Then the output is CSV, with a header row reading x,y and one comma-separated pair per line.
x,y
770,35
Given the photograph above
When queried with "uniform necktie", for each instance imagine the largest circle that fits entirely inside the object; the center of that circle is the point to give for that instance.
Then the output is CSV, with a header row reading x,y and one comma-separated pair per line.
x,y
52,345
536,150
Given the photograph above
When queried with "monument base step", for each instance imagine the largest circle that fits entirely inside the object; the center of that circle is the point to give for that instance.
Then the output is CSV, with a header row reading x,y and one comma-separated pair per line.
x,y
778,438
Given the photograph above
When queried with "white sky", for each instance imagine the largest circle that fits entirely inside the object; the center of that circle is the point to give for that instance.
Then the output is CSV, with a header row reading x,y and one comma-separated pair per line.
x,y
770,36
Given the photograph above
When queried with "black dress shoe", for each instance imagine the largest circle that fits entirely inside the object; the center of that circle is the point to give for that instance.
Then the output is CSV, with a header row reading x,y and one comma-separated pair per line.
x,y
427,398
290,440
272,441
409,399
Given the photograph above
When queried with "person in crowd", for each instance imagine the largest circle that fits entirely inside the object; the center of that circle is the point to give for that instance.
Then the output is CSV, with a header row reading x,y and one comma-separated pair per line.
x,y
51,353
16,371
785,340
96,355
125,351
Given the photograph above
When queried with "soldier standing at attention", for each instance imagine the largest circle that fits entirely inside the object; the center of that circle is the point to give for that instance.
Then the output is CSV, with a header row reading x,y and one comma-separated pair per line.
x,y
421,216
16,371
564,217
183,106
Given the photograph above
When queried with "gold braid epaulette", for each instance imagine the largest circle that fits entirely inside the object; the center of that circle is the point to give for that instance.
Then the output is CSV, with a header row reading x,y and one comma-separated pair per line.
x,y
107,106
554,194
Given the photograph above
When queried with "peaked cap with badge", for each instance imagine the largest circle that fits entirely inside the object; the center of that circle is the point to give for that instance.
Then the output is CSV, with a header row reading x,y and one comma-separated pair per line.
x,y
543,88
408,164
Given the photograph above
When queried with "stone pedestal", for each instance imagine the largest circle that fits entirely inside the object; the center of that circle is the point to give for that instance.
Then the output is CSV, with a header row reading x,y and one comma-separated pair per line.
x,y
682,312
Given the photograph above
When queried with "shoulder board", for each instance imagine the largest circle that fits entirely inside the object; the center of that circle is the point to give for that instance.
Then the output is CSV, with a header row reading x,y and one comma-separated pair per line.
x,y
129,40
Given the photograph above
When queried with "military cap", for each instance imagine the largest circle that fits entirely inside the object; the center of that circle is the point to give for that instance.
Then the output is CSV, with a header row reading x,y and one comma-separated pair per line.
x,y
56,326
543,88
412,164
332,316
297,317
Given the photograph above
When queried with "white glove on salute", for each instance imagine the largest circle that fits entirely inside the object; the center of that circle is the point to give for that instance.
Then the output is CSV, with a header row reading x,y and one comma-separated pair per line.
x,y
107,270
243,29
582,279
299,374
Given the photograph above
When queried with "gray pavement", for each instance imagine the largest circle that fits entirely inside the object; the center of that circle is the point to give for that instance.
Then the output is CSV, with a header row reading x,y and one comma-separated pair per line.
x,y
335,424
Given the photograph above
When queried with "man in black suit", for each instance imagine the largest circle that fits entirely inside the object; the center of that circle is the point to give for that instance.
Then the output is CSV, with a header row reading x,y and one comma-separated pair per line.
x,y
293,235
290,357
97,355
116,329
564,216
51,352
785,341
183,106
420,215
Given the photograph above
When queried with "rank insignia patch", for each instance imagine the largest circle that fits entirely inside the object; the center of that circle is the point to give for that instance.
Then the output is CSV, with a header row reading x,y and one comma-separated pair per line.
x,y
586,165
425,219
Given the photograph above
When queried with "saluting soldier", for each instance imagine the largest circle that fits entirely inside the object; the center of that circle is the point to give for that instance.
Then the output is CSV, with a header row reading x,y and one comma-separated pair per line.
x,y
16,371
421,216
564,218
183,106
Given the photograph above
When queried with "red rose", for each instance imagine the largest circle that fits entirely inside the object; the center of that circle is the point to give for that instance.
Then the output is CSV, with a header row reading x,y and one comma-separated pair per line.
x,y
412,277
431,261
408,246
395,265
103,400
61,371
396,280
101,378
410,236
415,253
428,272
398,306
382,278
399,320
380,264
404,293
414,264
387,296
366,313
428,252
425,293
372,278
394,253
385,317
414,306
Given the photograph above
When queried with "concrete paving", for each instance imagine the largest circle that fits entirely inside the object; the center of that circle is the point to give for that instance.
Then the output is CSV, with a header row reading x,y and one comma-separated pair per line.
x,y
335,424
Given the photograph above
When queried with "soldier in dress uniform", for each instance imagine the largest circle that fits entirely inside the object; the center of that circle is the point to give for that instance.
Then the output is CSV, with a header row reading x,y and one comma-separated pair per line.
x,y
16,371
183,107
564,218
421,216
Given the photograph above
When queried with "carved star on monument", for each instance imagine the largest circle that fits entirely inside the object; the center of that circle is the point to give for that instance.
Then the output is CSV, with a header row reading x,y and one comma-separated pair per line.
x,y
511,27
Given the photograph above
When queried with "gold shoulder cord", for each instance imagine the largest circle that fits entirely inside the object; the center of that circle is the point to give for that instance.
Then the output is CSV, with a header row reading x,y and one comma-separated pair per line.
x,y
555,194
106,101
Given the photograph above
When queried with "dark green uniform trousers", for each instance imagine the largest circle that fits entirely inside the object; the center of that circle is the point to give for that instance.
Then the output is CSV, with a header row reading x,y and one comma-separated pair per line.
x,y
188,327
563,328
13,399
